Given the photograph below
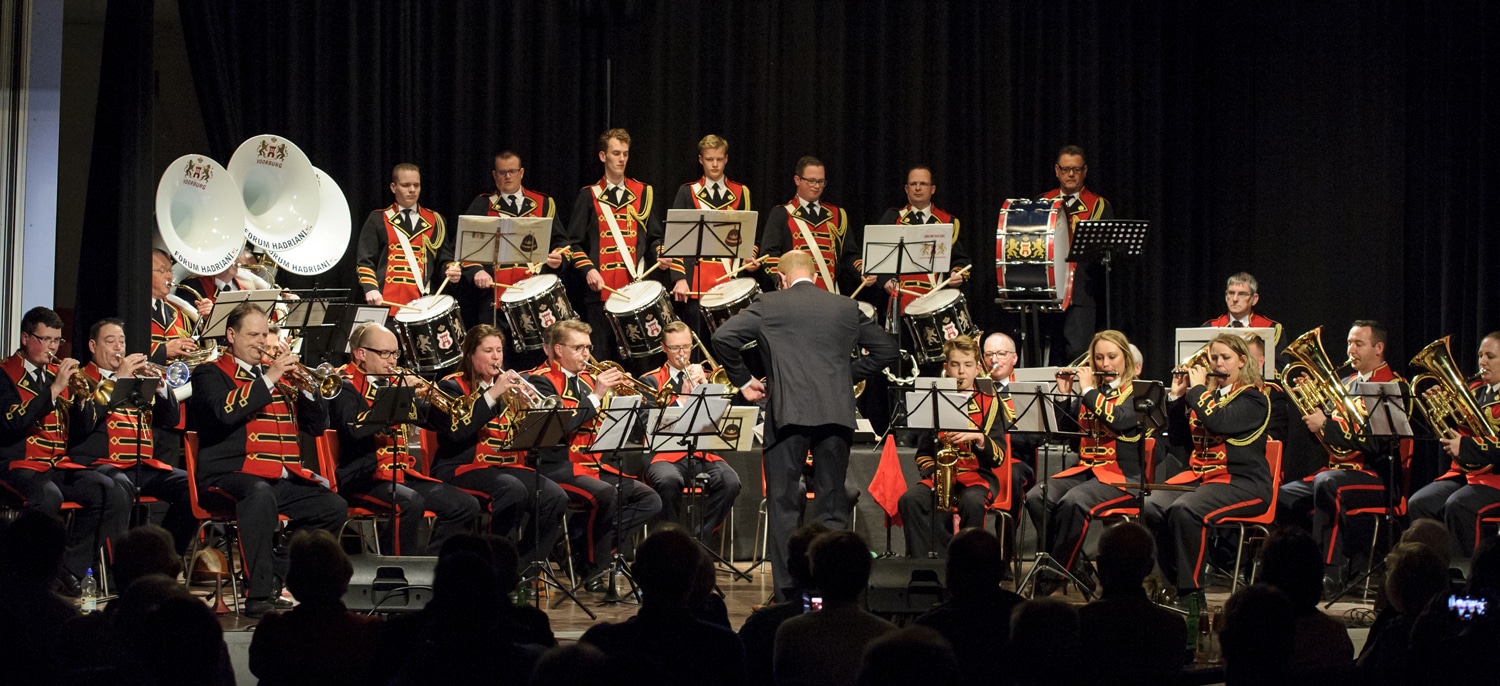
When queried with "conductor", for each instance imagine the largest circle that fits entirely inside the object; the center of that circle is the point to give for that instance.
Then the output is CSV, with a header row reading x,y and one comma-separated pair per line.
x,y
806,335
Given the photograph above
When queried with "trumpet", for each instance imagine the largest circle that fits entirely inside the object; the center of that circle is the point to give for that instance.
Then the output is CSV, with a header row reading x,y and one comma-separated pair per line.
x,y
631,386
324,380
82,385
456,408
174,375
523,397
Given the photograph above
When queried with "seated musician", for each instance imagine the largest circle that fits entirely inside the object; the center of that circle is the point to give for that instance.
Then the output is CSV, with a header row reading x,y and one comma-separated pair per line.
x,y
372,456
1471,486
979,453
1226,413
116,441
670,471
172,321
1000,359
1280,428
1240,296
473,447
1353,478
34,392
1110,452
247,416
588,482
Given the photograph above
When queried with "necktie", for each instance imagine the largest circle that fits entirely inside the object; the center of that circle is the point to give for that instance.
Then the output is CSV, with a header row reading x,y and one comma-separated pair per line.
x,y
717,197
576,387
614,195
39,378
677,382
1071,203
161,313
509,206
1235,324
1485,395
918,217
813,212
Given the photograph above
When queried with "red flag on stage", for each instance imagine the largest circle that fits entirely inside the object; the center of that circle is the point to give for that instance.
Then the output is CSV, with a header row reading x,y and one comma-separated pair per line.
x,y
889,483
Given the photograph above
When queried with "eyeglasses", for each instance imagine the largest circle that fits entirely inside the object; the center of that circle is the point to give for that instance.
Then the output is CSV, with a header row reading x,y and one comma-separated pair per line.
x,y
679,348
585,348
999,353
48,340
163,270
1237,294
506,173
382,354
1071,170
815,183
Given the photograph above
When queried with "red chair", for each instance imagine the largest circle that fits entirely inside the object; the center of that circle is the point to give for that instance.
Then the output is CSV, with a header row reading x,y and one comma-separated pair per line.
x,y
1260,522
1385,513
1000,507
372,509
227,518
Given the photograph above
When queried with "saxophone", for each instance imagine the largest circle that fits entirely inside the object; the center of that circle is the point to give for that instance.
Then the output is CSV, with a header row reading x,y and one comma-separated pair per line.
x,y
947,459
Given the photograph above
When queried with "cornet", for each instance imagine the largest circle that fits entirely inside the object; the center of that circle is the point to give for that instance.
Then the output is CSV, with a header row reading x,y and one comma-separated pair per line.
x,y
324,380
174,375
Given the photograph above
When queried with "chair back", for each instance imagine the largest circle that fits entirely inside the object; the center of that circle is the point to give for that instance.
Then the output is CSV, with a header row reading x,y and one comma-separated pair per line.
x,y
1273,460
1004,499
427,439
190,463
328,457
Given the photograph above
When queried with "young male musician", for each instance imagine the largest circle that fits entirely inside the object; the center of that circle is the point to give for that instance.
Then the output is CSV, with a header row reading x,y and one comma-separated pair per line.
x,y
402,247
691,277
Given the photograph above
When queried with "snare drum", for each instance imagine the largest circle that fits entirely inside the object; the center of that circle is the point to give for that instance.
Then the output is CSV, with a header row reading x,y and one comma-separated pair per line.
x,y
638,312
1031,255
726,300
532,305
432,334
867,312
935,318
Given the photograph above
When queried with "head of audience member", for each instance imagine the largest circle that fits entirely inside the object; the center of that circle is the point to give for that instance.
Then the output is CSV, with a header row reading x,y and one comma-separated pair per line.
x,y
797,563
319,570
484,354
139,600
1484,569
1140,360
464,586
920,186
161,274
248,333
1489,358
1043,635
961,361
507,560
107,343
1414,574
572,664
186,646
1241,293
614,153
144,550
794,264
810,179
713,156
677,343
41,335
375,349
1109,353
1071,169
1229,354
1000,356
665,565
569,346
1293,562
31,551
976,564
406,185
1431,533
1258,634
508,172
1126,555
912,655
1367,339
840,565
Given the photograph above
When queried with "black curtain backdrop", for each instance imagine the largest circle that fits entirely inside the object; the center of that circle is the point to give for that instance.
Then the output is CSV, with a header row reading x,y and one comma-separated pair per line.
x,y
1341,151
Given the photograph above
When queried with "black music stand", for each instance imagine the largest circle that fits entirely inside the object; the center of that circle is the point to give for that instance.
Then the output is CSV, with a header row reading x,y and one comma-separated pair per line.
x,y
1105,239
1388,421
394,408
496,238
1151,418
883,257
1037,416
698,420
621,430
937,409
139,393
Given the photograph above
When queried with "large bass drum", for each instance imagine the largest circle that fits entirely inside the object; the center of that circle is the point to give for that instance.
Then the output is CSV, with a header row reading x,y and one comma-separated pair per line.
x,y
934,319
638,312
726,300
1031,256
532,305
432,332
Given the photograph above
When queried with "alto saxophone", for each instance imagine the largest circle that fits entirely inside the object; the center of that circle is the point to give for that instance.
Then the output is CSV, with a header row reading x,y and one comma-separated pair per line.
x,y
947,458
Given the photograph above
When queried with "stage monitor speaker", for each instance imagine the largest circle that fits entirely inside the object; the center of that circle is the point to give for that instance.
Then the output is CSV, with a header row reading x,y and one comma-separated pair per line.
x,y
900,585
390,584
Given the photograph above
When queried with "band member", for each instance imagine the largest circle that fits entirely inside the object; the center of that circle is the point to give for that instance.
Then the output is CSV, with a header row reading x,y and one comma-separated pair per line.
x,y
372,456
401,247
806,335
473,453
509,199
999,363
1080,204
1281,404
247,419
203,289
920,187
117,440
171,325
815,227
1471,487
1227,417
1241,294
1352,479
691,277
669,472
977,455
34,391
613,226
1110,452
586,480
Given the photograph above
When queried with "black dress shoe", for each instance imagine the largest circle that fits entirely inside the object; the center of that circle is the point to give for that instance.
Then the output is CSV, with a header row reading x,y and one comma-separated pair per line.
x,y
67,586
1087,578
255,609
1046,586
598,581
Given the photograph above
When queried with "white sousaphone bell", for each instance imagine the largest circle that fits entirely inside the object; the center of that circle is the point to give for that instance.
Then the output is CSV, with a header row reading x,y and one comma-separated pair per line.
x,y
280,191
199,214
327,244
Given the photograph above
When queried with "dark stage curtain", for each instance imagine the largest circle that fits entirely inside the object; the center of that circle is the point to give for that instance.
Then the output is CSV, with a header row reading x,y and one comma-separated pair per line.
x,y
1341,151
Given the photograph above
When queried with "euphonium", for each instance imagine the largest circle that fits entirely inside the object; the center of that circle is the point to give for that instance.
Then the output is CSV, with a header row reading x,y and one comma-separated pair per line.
x,y
947,459
1314,385
1449,408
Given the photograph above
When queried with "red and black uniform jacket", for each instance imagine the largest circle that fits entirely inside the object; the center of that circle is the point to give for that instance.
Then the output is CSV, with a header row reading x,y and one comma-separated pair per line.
x,y
1256,321
592,245
838,244
179,326
34,434
550,379
243,426
992,415
704,274
1090,205
1229,437
1113,442
381,263
480,439
662,376
533,204
1339,433
370,451
116,435
1477,455
922,283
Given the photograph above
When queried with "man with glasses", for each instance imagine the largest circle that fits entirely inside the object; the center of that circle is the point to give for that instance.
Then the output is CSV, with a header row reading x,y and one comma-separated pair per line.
x,y
919,209
35,394
1241,295
171,339
670,471
587,480
509,199
822,230
1079,204
999,363
692,277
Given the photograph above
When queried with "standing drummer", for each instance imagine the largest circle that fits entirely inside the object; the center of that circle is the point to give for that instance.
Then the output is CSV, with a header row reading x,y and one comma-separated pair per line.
x,y
509,199
1079,204
920,187
691,277
403,245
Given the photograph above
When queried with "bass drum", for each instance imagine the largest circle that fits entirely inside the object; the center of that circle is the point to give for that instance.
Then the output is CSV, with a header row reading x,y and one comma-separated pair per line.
x,y
432,334
936,318
1031,256
726,300
532,305
638,312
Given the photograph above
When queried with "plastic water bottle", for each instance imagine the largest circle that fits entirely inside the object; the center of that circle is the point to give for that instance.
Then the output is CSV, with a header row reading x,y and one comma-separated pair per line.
x,y
90,592
1192,627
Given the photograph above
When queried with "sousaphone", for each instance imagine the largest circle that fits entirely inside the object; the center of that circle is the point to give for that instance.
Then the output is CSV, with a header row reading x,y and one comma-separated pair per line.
x,y
280,192
330,239
199,215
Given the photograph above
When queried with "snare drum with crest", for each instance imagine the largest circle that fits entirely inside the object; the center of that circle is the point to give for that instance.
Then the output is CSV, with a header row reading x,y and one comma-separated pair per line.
x,y
638,312
726,300
532,305
1031,255
936,318
431,332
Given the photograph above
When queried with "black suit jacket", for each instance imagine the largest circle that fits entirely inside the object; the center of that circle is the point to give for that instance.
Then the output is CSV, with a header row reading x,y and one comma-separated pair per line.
x,y
806,335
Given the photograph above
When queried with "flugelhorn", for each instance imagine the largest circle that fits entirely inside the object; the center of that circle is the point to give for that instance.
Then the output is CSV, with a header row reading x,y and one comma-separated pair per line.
x,y
174,375
324,380
455,407
523,396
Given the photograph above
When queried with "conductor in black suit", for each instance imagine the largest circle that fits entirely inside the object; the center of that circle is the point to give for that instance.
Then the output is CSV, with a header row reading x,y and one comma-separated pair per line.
x,y
806,335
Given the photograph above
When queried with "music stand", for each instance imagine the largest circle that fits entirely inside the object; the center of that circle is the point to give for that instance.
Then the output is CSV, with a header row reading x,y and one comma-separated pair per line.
x,y
503,240
1105,239
1038,416
226,302
1386,419
887,249
694,424
691,233
937,409
621,429
393,408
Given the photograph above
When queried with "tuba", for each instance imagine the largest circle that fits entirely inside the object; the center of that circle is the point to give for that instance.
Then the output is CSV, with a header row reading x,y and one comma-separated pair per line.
x,y
279,192
947,459
1314,384
1445,399
199,215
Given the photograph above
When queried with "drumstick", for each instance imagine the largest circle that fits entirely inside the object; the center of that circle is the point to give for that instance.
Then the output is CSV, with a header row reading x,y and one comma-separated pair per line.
x,y
444,284
387,303
607,288
857,290
737,270
944,284
648,271
910,293
505,285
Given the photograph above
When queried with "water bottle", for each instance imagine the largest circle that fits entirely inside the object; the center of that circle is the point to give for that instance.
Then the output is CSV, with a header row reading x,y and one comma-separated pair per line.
x,y
90,592
1192,627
